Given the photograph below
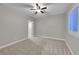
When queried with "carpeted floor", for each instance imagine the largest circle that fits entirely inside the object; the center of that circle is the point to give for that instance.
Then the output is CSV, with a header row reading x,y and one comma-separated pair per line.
x,y
37,46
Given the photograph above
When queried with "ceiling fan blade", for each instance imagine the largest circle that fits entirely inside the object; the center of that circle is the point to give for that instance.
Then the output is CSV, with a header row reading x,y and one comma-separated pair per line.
x,y
37,4
36,12
39,7
43,8
41,11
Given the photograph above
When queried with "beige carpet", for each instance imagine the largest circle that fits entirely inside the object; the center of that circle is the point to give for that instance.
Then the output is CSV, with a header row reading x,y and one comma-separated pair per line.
x,y
37,46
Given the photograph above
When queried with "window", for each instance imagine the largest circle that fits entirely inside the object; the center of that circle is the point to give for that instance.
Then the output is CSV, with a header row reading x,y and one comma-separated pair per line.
x,y
73,20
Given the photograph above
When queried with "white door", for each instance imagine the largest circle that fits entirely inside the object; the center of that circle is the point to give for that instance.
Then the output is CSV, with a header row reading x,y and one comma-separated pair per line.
x,y
30,29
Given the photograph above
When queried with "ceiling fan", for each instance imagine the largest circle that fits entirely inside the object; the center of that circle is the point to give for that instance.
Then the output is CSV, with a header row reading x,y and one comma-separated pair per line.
x,y
39,8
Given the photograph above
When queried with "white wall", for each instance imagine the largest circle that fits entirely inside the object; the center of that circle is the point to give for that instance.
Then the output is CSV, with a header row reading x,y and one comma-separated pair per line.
x,y
51,26
12,26
72,38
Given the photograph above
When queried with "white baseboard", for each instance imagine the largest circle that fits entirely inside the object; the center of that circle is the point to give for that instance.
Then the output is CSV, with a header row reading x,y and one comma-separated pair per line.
x,y
69,47
12,43
50,37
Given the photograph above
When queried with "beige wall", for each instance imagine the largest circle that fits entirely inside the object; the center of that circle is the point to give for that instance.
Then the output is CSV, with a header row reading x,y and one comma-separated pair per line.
x,y
51,26
12,26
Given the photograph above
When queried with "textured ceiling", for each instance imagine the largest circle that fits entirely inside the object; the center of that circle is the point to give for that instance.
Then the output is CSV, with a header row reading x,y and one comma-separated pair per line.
x,y
52,8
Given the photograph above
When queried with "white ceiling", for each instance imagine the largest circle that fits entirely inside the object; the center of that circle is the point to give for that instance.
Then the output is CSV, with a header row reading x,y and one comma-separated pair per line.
x,y
52,9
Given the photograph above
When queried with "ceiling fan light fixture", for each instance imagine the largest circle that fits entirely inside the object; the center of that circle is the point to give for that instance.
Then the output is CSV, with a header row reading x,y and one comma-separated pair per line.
x,y
38,10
